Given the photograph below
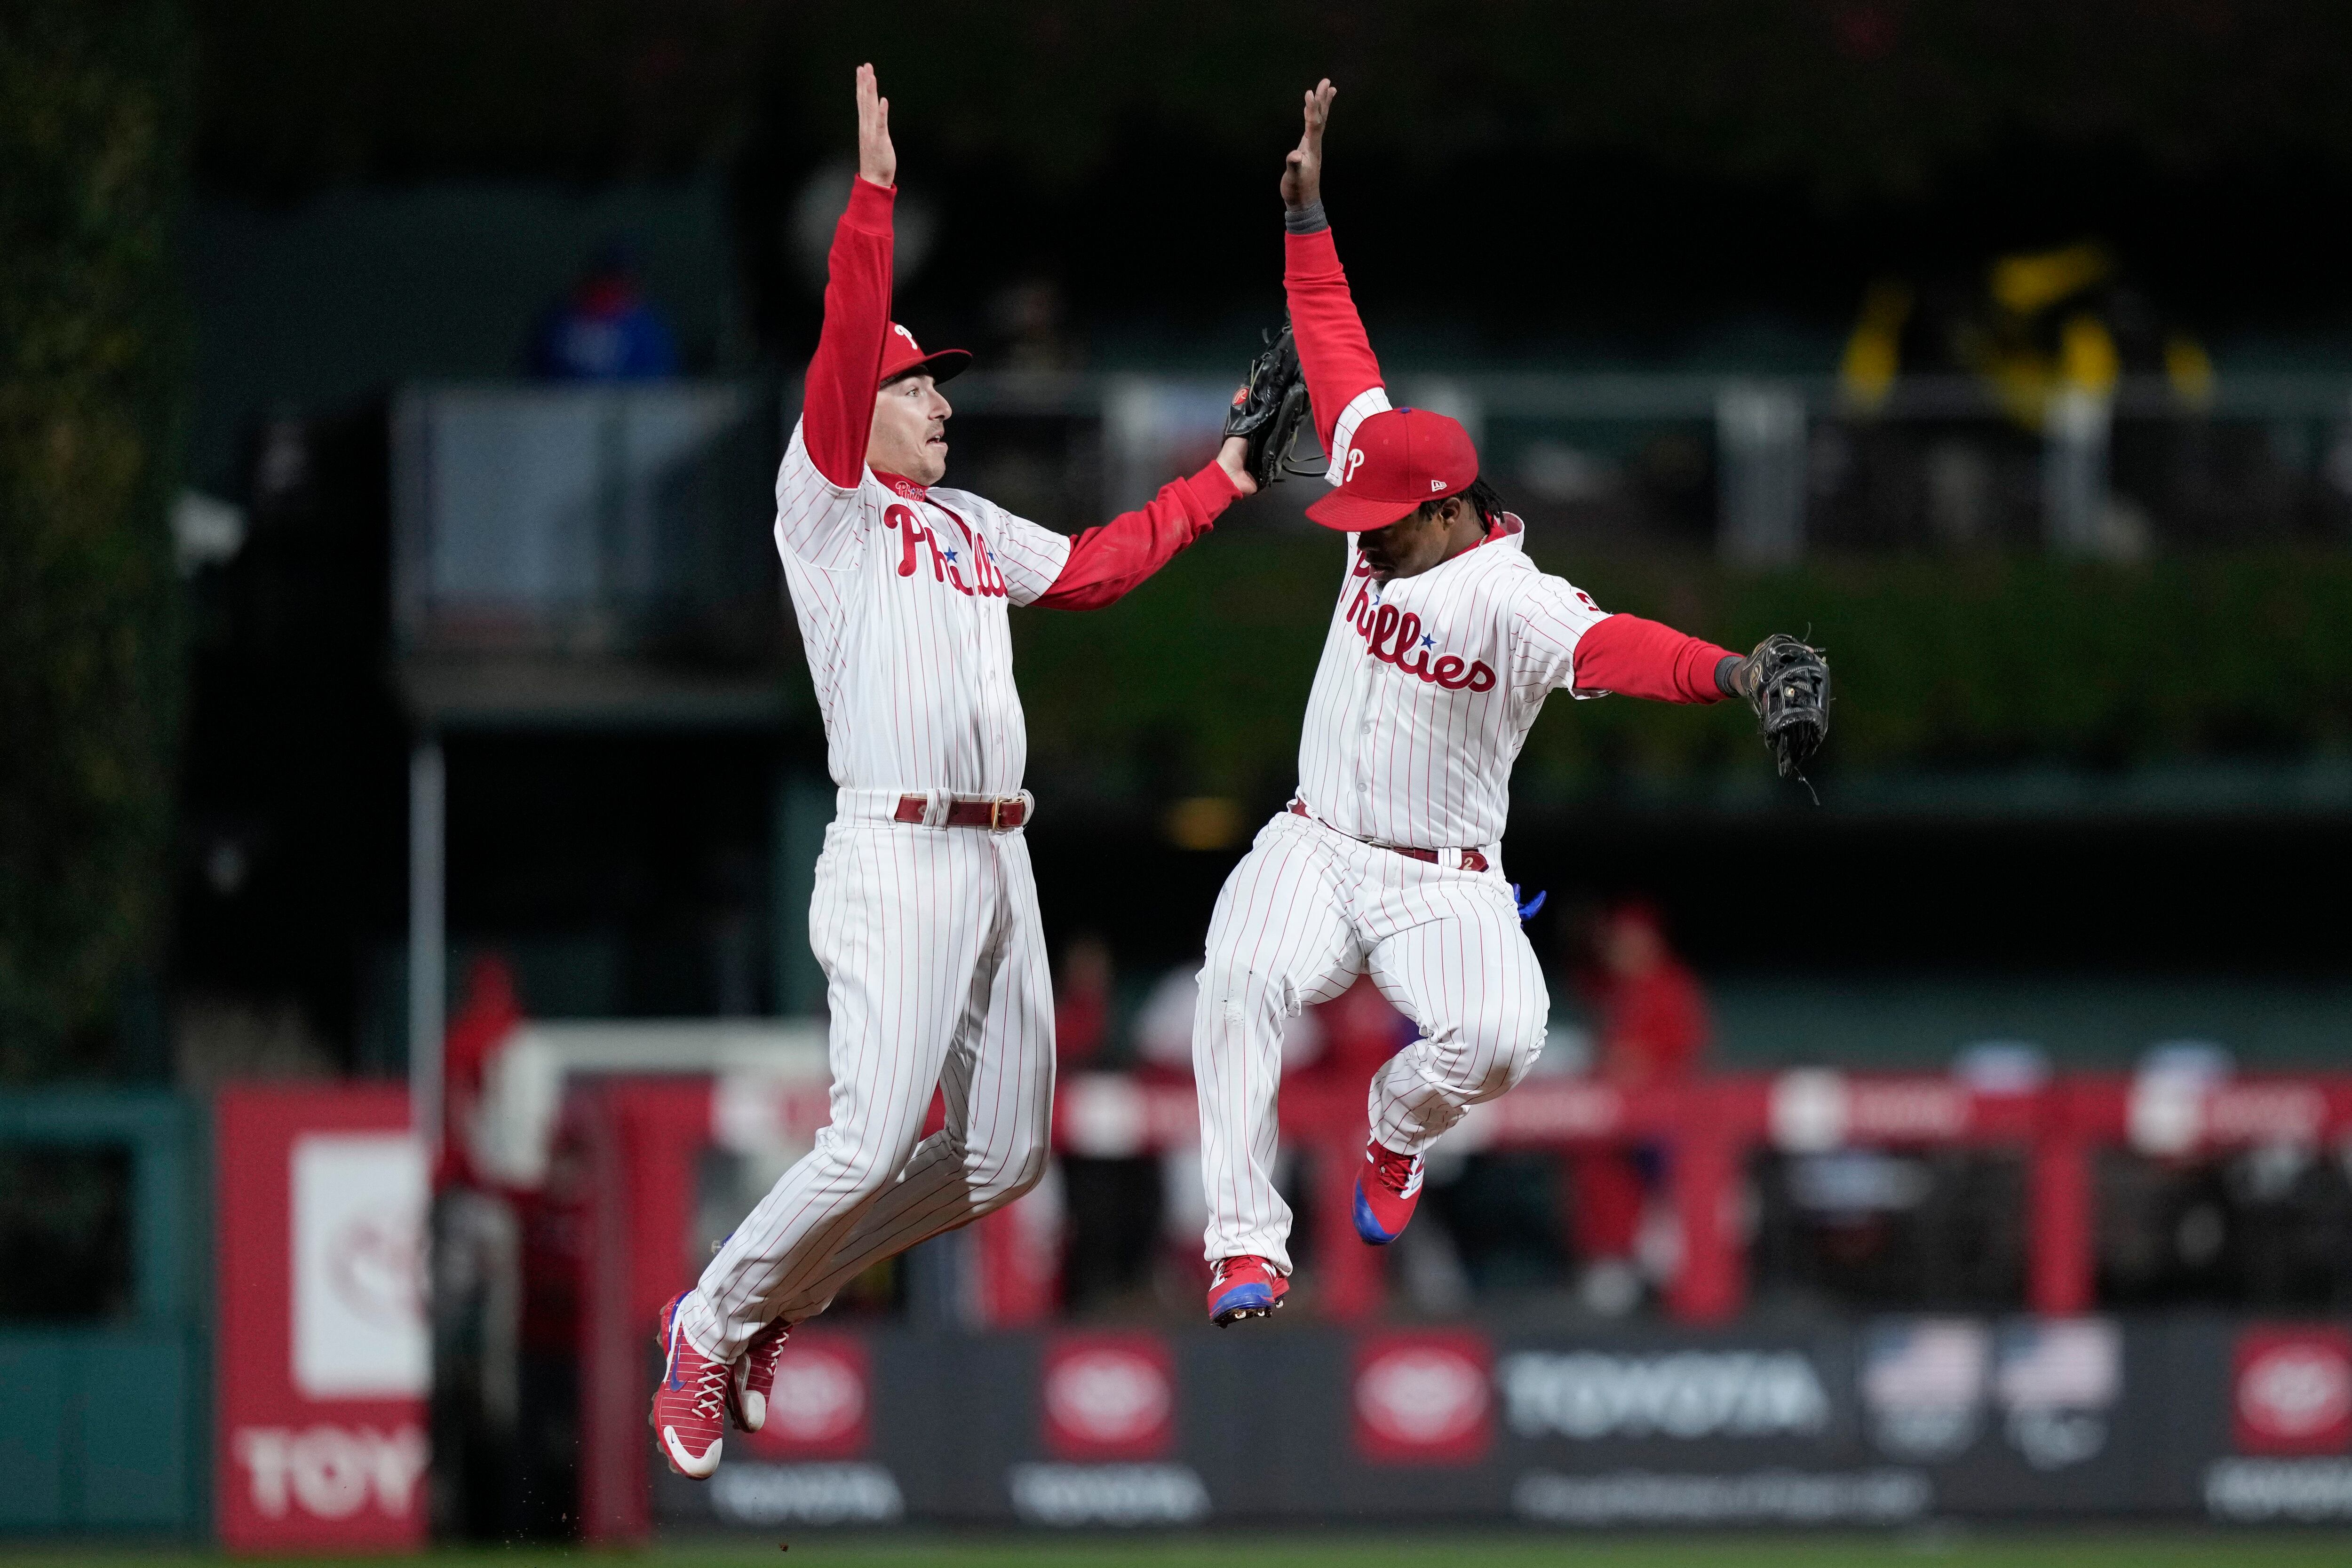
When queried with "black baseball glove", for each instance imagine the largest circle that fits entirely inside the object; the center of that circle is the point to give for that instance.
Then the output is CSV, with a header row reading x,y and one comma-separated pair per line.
x,y
1787,685
1270,407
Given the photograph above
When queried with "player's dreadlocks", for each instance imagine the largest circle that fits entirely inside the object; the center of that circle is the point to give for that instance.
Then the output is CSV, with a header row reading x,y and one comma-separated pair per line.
x,y
1480,495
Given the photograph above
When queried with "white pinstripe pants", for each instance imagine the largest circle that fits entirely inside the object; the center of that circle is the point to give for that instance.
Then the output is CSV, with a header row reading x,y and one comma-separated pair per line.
x,y
1307,911
936,977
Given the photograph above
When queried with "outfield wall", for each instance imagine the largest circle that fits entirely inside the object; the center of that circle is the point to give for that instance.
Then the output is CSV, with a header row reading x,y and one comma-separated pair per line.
x,y
1879,1422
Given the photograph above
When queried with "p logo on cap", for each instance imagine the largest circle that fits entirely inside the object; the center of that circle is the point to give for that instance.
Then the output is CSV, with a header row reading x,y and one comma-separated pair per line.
x,y
1400,459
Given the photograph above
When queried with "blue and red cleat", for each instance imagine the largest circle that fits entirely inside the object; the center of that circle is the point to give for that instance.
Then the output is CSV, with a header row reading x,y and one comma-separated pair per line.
x,y
1387,1191
690,1413
1244,1287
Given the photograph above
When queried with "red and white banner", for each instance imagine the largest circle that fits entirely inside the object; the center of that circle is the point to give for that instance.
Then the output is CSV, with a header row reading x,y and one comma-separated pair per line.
x,y
1108,1397
324,1358
1424,1398
2292,1391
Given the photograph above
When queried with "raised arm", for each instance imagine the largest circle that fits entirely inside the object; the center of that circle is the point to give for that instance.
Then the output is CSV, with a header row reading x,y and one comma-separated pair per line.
x,y
837,414
1560,638
1343,379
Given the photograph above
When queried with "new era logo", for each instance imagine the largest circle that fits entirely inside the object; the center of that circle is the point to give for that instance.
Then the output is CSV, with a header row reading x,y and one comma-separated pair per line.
x,y
1437,484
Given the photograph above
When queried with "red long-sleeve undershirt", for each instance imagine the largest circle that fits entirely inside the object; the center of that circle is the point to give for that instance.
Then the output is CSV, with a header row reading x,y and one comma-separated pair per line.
x,y
837,419
1638,658
1109,562
845,374
1333,348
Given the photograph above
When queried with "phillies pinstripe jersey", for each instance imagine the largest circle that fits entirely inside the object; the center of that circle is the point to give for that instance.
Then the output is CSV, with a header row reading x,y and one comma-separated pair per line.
x,y
901,592
1425,691
1428,684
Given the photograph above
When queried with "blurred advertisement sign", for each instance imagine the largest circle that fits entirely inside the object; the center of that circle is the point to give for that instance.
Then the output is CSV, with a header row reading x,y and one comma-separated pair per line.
x,y
359,1266
324,1357
749,1493
1924,1382
1121,1495
2291,1390
2057,1379
1108,1397
1685,1395
1423,1398
1764,1497
2280,1491
1868,1423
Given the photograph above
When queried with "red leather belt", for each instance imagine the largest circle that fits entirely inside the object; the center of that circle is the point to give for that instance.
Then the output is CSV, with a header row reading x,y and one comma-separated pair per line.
x,y
1472,860
993,815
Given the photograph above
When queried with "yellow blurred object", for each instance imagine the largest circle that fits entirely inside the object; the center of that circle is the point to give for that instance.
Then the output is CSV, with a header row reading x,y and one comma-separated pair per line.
x,y
2020,382
1874,352
2024,285
2189,369
1204,822
2087,359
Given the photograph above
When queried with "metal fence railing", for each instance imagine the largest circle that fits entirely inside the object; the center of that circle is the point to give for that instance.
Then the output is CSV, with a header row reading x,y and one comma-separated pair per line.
x,y
1762,469
622,520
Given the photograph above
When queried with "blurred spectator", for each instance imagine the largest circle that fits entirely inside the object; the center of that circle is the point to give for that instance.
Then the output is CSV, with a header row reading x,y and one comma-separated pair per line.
x,y
604,329
1653,1014
1083,1005
1109,1203
491,1011
1652,1025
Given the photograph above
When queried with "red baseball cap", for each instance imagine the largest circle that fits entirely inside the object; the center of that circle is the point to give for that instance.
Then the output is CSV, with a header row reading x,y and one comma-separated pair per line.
x,y
902,356
1400,457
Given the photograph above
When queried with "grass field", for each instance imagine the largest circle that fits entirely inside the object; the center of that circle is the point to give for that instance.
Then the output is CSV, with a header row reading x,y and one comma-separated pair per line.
x,y
2076,1549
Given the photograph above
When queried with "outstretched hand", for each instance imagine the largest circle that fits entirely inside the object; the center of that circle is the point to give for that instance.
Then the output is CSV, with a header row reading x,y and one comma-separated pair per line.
x,y
1232,456
876,160
1302,171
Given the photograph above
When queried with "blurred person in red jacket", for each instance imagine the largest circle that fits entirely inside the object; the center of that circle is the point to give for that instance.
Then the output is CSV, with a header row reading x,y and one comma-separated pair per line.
x,y
1085,1004
492,1009
1652,1027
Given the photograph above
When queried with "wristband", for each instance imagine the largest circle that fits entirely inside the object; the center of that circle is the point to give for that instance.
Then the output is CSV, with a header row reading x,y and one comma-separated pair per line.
x,y
1726,671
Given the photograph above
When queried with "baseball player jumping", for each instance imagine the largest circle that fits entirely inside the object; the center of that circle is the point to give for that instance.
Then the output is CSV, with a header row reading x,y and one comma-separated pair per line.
x,y
925,915
1443,642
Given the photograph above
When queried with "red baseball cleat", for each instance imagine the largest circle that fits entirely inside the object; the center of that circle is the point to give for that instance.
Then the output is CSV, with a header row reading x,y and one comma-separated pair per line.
x,y
1244,1287
690,1413
755,1377
1386,1193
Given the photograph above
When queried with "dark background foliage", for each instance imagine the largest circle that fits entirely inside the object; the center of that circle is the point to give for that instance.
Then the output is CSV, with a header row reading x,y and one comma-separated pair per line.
x,y
93,105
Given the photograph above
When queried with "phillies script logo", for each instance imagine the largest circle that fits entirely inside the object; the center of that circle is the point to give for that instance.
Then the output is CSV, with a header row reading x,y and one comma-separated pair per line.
x,y
947,565
818,1407
2293,1391
1397,639
1424,1398
1110,1396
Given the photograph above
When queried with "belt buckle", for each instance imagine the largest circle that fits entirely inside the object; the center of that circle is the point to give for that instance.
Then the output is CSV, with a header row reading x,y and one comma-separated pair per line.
x,y
995,814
